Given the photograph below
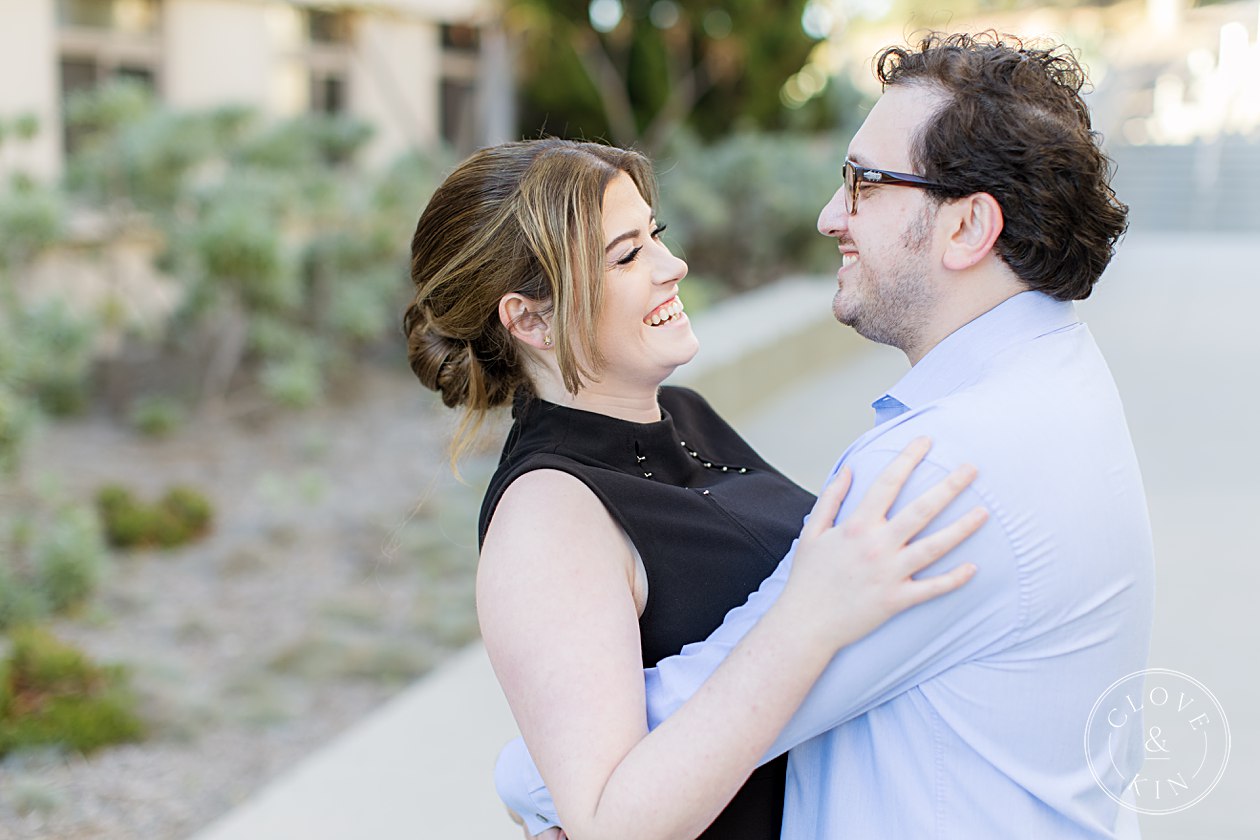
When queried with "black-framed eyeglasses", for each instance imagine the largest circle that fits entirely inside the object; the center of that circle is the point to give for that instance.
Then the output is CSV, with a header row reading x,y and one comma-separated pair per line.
x,y
855,176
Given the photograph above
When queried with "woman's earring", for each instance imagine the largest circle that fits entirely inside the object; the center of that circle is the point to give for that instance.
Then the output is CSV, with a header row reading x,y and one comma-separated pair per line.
x,y
546,341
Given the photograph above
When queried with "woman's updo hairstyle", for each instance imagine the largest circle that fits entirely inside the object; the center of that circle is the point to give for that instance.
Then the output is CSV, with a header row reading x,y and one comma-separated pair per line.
x,y
519,217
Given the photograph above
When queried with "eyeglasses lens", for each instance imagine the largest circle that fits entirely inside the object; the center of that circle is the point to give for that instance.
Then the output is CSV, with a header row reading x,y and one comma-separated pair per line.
x,y
851,185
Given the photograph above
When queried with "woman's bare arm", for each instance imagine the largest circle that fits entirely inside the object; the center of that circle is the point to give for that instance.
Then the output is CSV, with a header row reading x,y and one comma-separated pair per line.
x,y
555,602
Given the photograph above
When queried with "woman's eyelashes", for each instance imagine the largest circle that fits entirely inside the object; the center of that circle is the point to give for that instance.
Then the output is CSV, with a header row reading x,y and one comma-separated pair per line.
x,y
630,257
634,252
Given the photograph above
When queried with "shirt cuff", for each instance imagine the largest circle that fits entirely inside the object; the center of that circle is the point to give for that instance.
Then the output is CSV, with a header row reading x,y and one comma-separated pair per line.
x,y
522,789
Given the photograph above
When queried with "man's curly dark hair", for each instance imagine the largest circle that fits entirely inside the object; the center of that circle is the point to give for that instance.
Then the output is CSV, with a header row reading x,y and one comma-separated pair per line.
x,y
1015,126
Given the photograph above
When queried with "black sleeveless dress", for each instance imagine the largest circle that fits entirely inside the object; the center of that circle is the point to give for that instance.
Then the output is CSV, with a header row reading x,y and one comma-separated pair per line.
x,y
709,517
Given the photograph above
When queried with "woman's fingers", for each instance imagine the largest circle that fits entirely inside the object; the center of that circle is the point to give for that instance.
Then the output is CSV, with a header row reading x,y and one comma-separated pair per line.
x,y
918,591
923,553
915,516
883,491
823,514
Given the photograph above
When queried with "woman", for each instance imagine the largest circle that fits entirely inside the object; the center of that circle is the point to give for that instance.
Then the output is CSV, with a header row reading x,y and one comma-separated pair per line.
x,y
626,519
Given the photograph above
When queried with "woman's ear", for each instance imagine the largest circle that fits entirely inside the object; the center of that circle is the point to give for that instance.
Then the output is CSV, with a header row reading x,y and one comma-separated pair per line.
x,y
976,222
525,320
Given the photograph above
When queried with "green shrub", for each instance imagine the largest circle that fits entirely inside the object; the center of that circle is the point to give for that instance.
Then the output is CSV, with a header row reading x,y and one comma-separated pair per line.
x,y
59,346
20,603
51,694
743,211
295,382
156,416
32,218
275,227
17,419
52,557
190,507
69,557
45,362
183,514
126,521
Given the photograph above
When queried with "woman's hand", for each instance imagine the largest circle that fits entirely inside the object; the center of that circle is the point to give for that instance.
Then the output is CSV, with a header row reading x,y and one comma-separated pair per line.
x,y
851,577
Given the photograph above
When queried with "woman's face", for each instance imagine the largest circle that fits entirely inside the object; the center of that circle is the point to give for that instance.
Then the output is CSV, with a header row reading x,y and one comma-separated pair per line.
x,y
642,330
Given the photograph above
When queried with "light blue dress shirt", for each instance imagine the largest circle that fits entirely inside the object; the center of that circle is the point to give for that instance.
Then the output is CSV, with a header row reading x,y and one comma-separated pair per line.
x,y
965,718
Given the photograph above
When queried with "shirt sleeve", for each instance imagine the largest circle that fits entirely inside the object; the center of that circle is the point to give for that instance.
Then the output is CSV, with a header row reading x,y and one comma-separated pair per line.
x,y
909,649
521,787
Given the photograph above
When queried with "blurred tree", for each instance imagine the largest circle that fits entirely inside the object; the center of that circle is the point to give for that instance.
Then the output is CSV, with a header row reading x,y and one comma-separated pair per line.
x,y
44,349
634,71
51,552
288,253
744,209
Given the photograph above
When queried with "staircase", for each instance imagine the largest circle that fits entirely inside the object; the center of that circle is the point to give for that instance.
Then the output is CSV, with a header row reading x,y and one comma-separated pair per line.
x,y
1208,186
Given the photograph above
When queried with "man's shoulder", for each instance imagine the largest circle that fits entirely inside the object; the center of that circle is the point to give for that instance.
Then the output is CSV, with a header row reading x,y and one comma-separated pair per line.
x,y
956,428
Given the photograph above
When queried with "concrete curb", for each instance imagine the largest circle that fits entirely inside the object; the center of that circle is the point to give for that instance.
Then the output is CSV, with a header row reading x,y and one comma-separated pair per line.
x,y
420,766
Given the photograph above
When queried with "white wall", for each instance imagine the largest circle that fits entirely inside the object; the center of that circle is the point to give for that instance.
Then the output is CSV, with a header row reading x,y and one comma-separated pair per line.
x,y
252,53
28,68
394,80
243,52
442,11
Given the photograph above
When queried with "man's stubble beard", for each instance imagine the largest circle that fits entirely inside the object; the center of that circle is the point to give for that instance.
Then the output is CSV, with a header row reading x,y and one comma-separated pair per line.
x,y
897,298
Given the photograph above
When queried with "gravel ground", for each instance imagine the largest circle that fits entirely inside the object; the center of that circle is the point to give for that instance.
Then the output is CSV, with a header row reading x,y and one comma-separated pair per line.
x,y
339,570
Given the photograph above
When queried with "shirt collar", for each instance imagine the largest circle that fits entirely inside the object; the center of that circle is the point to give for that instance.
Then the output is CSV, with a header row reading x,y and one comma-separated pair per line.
x,y
964,352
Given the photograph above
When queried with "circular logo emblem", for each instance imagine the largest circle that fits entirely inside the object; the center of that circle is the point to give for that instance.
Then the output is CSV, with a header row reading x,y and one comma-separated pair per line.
x,y
1157,741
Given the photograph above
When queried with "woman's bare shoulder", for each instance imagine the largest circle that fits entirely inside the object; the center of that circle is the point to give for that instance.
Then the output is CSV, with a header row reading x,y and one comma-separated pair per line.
x,y
545,514
542,493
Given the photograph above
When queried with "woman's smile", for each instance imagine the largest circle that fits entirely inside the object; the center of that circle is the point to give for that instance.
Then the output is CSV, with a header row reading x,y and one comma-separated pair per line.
x,y
669,312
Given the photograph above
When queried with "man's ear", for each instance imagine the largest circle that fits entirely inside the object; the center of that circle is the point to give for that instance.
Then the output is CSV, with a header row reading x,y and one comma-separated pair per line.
x,y
974,225
524,322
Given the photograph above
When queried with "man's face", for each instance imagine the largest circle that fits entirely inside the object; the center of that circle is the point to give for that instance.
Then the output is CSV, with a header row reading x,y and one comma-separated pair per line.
x,y
886,289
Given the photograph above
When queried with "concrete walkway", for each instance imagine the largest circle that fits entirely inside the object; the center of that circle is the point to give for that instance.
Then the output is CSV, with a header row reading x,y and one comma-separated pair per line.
x,y
1176,318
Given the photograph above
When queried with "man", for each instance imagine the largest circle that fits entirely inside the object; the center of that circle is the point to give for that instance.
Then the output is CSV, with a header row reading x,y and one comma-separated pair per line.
x,y
976,207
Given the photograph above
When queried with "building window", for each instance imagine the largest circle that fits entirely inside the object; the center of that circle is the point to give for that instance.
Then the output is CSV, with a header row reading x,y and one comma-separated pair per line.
x,y
328,93
461,58
87,72
329,37
327,27
458,112
135,17
461,38
100,40
104,39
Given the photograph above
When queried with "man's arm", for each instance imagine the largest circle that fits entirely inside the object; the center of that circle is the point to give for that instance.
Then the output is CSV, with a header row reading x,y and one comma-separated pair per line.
x,y
911,648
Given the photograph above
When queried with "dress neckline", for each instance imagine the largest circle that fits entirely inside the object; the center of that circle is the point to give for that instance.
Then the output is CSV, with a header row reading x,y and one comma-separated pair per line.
x,y
645,449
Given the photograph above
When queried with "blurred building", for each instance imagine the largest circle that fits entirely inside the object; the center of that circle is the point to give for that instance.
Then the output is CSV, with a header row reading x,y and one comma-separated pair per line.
x,y
1174,90
422,72
1181,108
